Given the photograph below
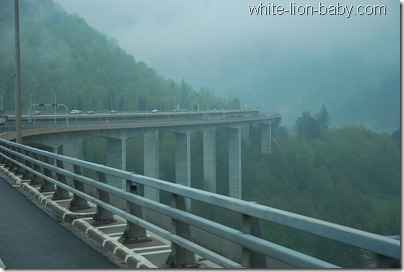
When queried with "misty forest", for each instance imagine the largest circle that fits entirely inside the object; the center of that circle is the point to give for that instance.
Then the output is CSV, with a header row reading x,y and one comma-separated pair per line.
x,y
345,174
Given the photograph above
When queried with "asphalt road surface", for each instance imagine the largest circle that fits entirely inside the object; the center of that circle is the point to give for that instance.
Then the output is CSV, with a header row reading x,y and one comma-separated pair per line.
x,y
31,239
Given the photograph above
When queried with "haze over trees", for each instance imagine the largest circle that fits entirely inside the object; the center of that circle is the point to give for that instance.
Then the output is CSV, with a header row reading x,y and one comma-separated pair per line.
x,y
63,57
348,175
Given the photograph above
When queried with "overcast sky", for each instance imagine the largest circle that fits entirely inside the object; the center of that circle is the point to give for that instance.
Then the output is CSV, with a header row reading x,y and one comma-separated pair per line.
x,y
219,44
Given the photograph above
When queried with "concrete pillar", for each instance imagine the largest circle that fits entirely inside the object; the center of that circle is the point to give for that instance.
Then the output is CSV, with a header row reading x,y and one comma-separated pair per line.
x,y
235,163
266,139
209,159
151,161
251,259
116,158
183,161
73,148
183,158
133,233
60,193
46,185
77,202
245,133
179,256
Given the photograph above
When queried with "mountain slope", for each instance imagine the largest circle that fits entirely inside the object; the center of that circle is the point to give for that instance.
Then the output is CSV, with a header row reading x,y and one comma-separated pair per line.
x,y
63,58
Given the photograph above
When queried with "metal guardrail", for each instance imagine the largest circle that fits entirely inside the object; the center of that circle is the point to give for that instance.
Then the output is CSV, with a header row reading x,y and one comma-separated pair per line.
x,y
46,166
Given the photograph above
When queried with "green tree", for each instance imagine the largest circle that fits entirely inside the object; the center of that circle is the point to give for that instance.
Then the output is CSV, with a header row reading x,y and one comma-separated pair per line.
x,y
307,127
323,120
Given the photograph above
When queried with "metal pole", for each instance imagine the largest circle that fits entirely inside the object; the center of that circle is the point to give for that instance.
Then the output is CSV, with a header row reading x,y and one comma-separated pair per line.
x,y
18,74
33,83
54,89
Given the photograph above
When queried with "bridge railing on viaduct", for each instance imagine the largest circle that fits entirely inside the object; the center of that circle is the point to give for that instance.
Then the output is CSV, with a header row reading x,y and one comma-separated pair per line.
x,y
88,183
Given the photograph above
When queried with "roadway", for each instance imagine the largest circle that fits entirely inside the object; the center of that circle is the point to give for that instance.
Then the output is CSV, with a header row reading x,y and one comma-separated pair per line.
x,y
31,239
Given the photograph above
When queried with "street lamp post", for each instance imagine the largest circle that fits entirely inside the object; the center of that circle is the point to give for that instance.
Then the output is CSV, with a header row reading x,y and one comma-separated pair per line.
x,y
110,101
18,75
124,109
54,90
33,102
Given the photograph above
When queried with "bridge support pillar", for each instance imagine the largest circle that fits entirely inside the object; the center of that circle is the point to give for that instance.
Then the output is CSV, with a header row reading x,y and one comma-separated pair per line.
x,y
116,158
235,163
266,139
73,148
183,162
245,133
151,161
251,259
209,159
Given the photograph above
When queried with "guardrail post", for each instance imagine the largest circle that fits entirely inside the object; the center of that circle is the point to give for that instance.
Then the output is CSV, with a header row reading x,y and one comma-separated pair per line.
x,y
133,233
27,175
251,259
46,185
78,202
7,162
13,166
102,216
179,256
60,193
18,170
36,180
2,159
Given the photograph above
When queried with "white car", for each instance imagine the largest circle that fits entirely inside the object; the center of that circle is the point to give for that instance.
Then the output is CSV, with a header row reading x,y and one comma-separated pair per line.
x,y
155,110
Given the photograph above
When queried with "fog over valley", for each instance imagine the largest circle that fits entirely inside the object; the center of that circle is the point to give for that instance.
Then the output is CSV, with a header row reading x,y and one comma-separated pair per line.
x,y
287,63
151,87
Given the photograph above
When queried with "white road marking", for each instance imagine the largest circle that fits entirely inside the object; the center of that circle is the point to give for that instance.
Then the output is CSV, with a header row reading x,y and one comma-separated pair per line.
x,y
111,226
151,247
155,252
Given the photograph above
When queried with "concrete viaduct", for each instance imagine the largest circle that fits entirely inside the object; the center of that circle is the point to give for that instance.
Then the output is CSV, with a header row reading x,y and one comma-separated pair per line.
x,y
67,140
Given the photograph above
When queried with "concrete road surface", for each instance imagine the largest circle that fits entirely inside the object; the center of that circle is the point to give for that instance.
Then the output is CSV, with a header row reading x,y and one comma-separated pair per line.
x,y
31,239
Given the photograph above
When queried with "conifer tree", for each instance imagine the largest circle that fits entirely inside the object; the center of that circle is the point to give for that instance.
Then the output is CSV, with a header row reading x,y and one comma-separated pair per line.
x,y
323,120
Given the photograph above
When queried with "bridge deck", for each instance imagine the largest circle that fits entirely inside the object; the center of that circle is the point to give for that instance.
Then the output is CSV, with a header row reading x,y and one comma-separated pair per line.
x,y
155,251
30,239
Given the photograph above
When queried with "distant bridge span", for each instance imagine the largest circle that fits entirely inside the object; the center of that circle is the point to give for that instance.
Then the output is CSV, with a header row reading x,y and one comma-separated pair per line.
x,y
114,188
62,135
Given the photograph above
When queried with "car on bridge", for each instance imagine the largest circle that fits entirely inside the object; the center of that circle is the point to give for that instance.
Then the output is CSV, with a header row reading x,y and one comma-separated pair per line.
x,y
76,112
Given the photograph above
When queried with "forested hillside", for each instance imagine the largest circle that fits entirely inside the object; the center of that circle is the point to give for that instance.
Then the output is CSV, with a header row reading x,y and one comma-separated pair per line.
x,y
349,176
63,57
